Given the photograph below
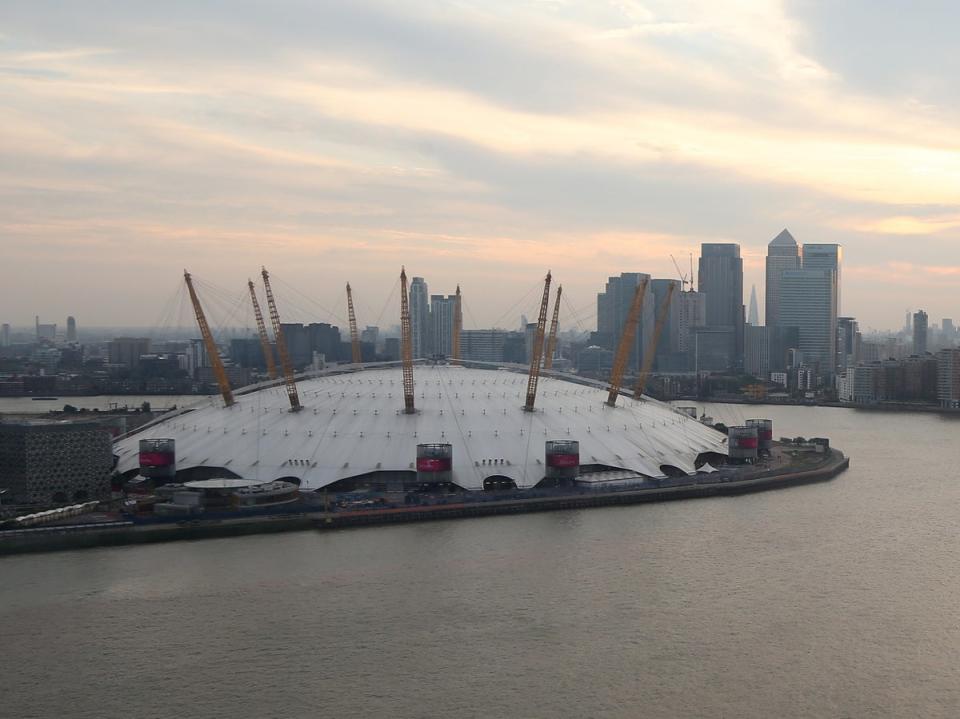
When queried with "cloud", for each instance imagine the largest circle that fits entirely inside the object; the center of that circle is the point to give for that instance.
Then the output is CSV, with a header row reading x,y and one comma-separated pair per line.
x,y
484,139
891,49
906,224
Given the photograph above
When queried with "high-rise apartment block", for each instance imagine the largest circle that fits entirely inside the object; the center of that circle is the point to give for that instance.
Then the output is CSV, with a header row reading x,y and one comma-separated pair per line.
x,y
195,356
71,329
420,318
948,378
442,310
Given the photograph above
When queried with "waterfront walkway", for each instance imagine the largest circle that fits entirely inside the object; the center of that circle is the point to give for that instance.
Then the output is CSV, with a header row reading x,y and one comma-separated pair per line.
x,y
782,471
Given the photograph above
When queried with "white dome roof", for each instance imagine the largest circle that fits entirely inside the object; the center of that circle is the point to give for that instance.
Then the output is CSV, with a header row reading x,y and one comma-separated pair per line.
x,y
353,423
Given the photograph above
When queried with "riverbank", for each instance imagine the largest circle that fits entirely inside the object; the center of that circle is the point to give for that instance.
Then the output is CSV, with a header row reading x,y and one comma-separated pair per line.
x,y
880,407
105,534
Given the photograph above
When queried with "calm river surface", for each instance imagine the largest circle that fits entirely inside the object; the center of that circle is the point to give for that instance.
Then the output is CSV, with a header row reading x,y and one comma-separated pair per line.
x,y
830,600
29,405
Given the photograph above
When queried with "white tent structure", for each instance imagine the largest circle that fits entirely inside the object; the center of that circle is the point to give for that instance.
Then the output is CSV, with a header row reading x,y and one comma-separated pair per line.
x,y
353,424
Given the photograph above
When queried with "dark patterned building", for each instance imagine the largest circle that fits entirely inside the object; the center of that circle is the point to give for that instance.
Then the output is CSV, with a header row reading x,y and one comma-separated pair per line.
x,y
55,463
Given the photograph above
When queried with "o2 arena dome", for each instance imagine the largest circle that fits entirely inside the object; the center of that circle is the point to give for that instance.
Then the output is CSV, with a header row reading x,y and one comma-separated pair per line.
x,y
469,425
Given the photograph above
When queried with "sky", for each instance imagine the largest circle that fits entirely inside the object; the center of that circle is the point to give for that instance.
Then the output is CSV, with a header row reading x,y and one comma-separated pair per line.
x,y
475,142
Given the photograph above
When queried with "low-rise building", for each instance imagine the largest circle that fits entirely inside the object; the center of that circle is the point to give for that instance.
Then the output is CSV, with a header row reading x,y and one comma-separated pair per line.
x,y
54,463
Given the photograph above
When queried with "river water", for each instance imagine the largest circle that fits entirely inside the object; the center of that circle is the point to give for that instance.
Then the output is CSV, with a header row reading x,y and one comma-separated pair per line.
x,y
830,600
103,402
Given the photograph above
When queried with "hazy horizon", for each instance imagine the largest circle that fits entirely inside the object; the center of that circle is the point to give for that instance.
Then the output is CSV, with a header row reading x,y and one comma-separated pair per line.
x,y
479,143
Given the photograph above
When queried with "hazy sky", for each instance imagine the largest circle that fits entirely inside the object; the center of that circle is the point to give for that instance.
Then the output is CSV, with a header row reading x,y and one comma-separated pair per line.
x,y
479,142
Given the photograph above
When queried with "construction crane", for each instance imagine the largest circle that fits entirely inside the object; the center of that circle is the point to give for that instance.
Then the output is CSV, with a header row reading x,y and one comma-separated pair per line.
x,y
683,278
354,334
537,350
651,350
626,342
218,371
552,337
285,364
457,326
262,331
406,345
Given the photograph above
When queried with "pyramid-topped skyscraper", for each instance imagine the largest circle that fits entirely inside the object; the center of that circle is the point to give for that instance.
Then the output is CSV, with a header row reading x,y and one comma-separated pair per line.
x,y
753,316
783,253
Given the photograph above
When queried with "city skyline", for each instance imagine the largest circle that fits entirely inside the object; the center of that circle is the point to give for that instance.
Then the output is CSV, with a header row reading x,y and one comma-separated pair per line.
x,y
478,145
418,293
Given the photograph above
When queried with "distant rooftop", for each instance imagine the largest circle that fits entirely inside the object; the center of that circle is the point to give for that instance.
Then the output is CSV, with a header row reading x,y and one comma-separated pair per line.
x,y
784,239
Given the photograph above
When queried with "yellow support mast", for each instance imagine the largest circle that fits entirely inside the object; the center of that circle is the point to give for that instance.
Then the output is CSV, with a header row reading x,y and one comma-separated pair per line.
x,y
288,379
457,326
626,342
552,337
651,350
218,371
406,345
357,356
262,331
536,355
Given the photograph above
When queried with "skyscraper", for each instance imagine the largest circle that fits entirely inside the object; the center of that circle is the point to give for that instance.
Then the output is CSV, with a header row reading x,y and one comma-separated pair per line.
x,y
5,335
71,329
754,317
920,325
825,257
782,254
420,317
613,306
807,301
756,355
720,278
